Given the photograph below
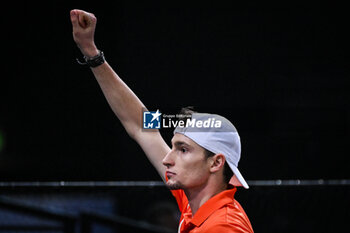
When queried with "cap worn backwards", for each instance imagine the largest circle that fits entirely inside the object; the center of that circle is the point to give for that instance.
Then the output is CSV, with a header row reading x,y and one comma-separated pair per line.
x,y
218,135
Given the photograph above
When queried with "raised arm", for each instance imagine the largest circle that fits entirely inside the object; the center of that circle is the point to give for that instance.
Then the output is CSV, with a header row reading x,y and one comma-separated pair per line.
x,y
124,103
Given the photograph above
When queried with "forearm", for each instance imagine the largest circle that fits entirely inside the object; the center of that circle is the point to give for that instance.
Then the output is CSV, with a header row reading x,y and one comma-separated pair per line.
x,y
128,108
124,103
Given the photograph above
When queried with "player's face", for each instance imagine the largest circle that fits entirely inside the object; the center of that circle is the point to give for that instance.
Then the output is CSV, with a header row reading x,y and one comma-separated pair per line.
x,y
187,165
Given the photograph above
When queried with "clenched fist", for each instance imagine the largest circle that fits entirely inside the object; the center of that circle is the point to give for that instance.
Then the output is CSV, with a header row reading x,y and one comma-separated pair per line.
x,y
84,24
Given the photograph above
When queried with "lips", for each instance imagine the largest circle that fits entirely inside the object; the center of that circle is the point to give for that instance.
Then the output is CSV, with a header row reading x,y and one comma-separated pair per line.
x,y
170,174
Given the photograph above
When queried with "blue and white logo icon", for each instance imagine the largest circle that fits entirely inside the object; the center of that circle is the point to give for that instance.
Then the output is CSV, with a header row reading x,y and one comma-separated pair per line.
x,y
151,120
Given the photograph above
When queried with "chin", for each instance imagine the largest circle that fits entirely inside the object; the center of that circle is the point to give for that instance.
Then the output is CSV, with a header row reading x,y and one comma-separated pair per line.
x,y
173,185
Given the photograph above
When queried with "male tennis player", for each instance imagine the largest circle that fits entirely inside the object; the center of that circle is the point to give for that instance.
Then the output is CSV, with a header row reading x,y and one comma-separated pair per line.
x,y
204,154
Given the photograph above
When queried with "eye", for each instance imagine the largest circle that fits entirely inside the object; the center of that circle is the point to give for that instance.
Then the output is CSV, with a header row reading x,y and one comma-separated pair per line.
x,y
183,150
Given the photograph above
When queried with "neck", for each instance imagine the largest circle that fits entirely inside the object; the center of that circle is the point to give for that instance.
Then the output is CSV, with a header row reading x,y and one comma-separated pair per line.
x,y
199,195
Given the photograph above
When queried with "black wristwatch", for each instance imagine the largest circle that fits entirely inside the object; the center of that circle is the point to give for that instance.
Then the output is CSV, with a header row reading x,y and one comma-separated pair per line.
x,y
97,60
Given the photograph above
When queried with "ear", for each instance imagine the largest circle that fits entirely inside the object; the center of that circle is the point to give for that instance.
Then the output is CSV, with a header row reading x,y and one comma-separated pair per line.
x,y
217,162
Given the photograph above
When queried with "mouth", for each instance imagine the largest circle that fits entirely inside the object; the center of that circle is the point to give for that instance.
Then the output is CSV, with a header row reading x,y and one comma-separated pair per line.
x,y
169,174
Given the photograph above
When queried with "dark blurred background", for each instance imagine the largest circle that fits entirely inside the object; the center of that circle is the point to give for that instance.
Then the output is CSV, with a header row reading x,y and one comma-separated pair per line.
x,y
278,72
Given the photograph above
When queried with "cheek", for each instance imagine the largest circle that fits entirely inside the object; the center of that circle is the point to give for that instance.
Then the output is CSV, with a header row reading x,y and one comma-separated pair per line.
x,y
195,171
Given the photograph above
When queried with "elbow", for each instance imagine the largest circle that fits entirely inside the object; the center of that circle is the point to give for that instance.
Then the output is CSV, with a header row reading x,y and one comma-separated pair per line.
x,y
133,132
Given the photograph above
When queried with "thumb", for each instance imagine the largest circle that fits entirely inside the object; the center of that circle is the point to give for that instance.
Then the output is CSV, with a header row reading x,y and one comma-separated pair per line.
x,y
74,18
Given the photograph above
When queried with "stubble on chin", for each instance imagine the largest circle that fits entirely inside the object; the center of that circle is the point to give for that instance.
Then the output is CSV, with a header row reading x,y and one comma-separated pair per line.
x,y
174,186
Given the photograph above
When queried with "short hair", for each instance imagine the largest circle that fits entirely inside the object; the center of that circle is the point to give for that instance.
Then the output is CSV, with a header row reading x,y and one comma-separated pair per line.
x,y
227,172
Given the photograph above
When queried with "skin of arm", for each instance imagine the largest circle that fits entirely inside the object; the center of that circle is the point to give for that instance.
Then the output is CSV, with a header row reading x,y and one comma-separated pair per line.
x,y
123,101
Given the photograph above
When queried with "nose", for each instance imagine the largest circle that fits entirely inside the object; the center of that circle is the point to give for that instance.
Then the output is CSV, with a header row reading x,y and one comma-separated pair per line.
x,y
168,160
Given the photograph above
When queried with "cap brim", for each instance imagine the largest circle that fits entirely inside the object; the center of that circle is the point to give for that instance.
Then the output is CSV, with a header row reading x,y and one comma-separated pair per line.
x,y
237,179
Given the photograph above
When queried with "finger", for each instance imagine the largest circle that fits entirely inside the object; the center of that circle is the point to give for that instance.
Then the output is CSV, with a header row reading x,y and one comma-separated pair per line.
x,y
85,19
74,18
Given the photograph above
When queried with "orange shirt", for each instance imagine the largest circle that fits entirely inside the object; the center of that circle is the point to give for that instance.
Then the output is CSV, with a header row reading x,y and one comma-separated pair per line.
x,y
221,213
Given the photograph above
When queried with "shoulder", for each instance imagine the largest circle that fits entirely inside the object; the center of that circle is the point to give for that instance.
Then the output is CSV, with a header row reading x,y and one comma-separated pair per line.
x,y
235,213
226,227
231,218
223,225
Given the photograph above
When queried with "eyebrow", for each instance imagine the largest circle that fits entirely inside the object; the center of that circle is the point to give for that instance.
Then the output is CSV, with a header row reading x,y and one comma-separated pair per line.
x,y
181,143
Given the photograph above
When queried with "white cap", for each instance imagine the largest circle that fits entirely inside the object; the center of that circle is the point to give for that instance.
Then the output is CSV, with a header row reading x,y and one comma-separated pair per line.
x,y
218,135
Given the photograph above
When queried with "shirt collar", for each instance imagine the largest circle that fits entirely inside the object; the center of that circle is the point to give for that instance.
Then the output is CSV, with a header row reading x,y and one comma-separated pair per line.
x,y
213,204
